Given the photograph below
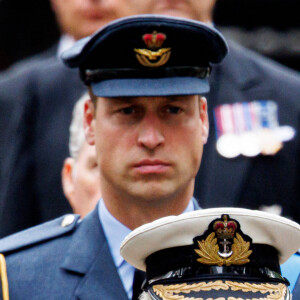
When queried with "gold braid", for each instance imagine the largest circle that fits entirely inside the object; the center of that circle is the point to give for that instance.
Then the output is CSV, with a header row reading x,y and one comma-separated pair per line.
x,y
3,275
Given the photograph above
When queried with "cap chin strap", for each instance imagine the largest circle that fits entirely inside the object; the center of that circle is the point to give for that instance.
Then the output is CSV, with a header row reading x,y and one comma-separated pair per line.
x,y
3,275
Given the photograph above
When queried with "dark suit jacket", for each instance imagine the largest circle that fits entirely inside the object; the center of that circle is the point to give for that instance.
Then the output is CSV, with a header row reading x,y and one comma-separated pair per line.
x,y
32,189
55,262
252,182
14,84
43,97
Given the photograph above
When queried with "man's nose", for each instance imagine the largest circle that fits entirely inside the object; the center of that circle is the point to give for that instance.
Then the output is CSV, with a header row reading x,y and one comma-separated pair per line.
x,y
151,132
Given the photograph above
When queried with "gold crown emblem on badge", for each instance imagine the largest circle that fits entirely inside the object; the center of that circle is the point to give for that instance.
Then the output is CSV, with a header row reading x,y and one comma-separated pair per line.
x,y
225,229
154,56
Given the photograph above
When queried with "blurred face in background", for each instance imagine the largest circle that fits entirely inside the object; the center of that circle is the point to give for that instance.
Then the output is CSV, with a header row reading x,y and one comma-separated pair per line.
x,y
80,18
200,10
80,178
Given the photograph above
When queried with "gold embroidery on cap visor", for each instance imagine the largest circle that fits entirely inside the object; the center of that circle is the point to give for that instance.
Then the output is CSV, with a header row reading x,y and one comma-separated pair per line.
x,y
177,291
153,56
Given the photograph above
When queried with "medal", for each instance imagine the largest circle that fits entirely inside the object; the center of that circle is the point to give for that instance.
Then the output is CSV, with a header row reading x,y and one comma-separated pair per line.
x,y
285,133
228,144
250,129
270,143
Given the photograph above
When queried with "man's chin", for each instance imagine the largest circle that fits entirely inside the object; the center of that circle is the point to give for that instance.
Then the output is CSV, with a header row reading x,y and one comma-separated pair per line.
x,y
153,192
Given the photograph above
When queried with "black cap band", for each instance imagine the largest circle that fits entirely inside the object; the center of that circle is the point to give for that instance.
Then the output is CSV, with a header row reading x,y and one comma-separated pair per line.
x,y
166,260
89,76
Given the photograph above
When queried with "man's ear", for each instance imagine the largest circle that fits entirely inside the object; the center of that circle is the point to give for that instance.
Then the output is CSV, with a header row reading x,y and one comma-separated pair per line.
x,y
204,119
68,178
89,122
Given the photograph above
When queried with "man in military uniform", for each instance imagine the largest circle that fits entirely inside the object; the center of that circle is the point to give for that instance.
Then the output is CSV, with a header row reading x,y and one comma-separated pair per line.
x,y
148,121
267,182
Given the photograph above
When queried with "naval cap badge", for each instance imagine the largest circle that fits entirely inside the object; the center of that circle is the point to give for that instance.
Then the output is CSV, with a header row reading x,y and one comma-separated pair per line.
x,y
223,244
154,56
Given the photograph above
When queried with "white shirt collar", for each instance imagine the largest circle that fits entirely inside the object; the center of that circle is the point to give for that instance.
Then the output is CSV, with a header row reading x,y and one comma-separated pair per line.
x,y
65,42
114,232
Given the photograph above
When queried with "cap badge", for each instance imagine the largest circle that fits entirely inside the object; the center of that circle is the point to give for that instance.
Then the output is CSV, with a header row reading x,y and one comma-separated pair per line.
x,y
224,244
154,56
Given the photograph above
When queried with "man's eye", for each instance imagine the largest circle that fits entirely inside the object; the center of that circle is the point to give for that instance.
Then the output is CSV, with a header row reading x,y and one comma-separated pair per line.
x,y
174,110
128,110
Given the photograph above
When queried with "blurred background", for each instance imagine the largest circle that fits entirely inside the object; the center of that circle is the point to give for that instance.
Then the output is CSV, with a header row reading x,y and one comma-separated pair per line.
x,y
271,27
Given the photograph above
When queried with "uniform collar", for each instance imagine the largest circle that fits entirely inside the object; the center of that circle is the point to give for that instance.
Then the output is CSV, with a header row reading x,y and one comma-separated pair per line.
x,y
115,231
65,42
89,260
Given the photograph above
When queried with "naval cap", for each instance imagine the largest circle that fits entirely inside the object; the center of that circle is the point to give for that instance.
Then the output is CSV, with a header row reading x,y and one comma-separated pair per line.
x,y
214,253
148,55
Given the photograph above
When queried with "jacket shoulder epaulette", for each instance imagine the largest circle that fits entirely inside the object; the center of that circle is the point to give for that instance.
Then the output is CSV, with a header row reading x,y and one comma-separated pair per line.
x,y
39,233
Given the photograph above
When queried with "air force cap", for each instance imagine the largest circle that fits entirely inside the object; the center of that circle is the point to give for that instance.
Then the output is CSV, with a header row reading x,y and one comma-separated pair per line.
x,y
148,55
220,253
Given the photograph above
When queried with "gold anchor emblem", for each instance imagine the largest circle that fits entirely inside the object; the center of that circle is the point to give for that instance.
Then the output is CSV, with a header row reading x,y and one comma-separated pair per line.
x,y
153,56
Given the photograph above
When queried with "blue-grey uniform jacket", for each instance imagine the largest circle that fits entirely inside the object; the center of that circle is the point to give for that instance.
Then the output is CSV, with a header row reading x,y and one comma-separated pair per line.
x,y
296,291
59,262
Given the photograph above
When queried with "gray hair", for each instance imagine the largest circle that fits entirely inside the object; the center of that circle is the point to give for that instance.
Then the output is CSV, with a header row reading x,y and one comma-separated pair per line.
x,y
76,130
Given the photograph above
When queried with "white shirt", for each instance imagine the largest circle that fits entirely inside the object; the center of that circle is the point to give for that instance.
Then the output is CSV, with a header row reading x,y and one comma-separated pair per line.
x,y
65,42
115,232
